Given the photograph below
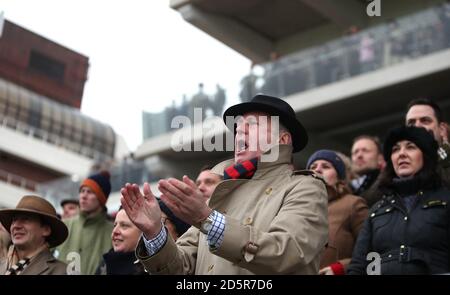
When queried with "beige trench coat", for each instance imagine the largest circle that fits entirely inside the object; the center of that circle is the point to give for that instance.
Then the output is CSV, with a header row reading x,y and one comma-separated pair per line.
x,y
276,223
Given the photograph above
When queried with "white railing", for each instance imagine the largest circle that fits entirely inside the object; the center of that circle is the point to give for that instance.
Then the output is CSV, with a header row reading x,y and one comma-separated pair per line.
x,y
52,138
378,47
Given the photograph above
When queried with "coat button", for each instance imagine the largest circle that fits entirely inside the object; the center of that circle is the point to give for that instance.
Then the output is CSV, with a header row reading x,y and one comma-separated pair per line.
x,y
268,191
248,221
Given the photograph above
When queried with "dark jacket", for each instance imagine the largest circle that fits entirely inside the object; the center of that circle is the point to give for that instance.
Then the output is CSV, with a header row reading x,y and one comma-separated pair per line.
x,y
120,263
409,242
444,164
368,190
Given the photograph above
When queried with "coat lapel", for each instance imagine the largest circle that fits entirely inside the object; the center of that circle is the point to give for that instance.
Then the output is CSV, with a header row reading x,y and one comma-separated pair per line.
x,y
265,171
39,264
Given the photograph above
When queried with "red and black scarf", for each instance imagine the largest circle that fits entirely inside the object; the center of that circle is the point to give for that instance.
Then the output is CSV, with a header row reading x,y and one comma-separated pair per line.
x,y
244,170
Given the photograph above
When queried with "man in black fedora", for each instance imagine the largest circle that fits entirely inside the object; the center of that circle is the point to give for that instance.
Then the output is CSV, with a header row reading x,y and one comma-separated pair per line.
x,y
34,228
264,218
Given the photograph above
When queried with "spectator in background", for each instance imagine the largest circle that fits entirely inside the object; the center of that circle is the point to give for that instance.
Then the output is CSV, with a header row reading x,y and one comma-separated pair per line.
x,y
175,226
367,162
425,113
409,226
394,45
346,212
367,53
207,181
249,86
352,43
90,231
34,229
273,76
71,208
120,260
445,18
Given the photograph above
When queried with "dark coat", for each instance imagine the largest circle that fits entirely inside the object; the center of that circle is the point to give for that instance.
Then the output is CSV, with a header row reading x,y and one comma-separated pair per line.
x,y
444,165
409,242
369,188
120,263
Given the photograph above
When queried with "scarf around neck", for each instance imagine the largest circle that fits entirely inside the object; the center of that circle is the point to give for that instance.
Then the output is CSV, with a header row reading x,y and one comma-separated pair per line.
x,y
244,170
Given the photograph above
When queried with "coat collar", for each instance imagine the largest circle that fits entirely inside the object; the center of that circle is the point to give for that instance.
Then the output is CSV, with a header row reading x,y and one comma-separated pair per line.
x,y
263,168
39,263
92,219
332,193
121,263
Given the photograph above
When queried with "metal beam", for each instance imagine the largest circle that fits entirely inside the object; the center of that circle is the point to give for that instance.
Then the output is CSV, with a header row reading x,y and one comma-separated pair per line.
x,y
342,13
176,4
235,35
364,125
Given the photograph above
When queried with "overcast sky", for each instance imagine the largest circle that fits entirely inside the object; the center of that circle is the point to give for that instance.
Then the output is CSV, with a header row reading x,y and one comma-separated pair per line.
x,y
142,55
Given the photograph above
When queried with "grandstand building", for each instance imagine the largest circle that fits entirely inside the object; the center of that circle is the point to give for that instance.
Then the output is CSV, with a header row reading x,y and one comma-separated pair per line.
x,y
44,138
344,72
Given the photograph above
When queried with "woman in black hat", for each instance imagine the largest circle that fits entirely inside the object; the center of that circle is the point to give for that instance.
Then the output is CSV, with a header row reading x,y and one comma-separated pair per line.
x,y
407,231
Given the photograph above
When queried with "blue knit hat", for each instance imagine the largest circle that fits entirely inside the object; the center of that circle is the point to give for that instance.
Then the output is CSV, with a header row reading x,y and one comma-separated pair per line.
x,y
331,157
99,183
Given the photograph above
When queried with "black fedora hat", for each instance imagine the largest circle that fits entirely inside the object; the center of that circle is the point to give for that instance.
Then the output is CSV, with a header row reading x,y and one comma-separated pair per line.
x,y
273,106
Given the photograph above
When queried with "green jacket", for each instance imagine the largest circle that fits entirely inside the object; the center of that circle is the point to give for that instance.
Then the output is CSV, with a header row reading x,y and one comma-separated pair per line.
x,y
90,238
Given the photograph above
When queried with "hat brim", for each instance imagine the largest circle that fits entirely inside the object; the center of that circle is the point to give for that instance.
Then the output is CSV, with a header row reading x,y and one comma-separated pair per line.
x,y
298,132
75,202
59,229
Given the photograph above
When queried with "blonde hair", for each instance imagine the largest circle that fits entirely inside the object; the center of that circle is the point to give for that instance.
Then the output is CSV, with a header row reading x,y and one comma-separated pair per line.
x,y
342,186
